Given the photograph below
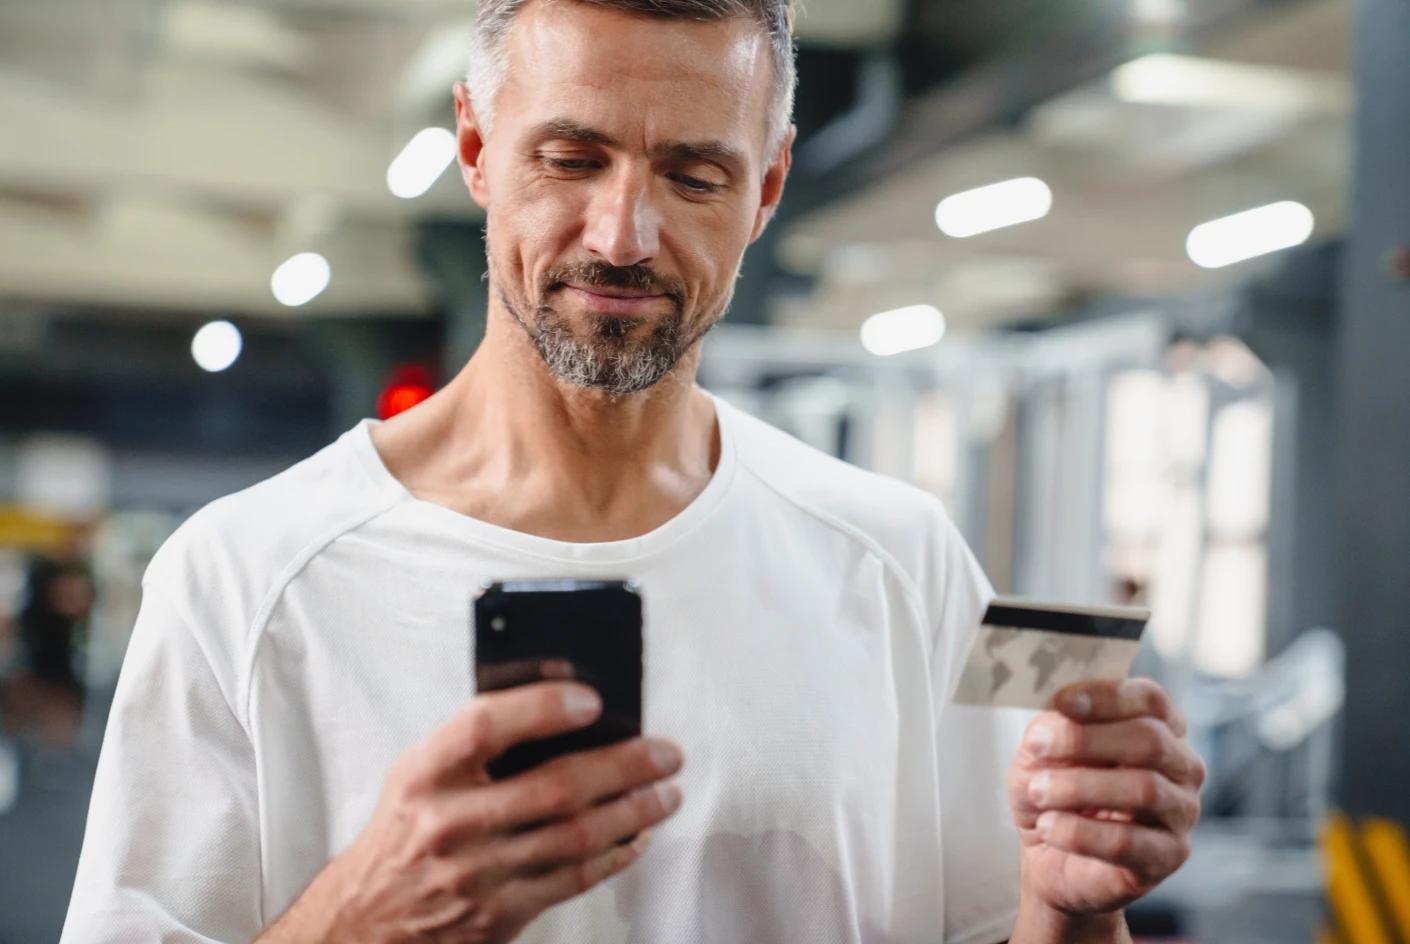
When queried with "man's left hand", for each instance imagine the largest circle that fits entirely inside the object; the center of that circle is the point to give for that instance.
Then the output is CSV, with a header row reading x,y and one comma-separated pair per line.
x,y
1105,791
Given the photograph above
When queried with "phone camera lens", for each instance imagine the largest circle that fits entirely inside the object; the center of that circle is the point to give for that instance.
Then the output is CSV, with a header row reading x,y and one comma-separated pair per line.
x,y
498,623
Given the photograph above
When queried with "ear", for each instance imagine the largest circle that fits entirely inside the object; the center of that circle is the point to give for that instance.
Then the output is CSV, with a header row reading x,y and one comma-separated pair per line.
x,y
470,146
774,178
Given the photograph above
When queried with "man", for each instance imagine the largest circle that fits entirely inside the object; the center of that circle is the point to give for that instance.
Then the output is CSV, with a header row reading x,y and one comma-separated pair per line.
x,y
296,753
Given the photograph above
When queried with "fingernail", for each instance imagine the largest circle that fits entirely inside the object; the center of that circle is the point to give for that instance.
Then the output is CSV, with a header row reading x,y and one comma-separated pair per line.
x,y
1038,786
642,840
1078,705
666,756
1040,740
582,704
670,796
1045,823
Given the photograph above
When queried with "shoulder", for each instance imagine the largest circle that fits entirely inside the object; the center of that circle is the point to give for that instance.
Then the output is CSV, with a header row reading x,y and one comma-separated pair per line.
x,y
906,526
227,562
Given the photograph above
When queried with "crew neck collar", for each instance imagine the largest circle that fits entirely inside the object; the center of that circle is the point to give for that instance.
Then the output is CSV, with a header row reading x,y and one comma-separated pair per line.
x,y
549,549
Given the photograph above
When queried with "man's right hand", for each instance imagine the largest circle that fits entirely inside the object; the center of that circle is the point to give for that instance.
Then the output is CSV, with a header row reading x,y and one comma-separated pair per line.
x,y
450,855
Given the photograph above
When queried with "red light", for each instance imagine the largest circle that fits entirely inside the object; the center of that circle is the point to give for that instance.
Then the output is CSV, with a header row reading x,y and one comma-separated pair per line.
x,y
410,384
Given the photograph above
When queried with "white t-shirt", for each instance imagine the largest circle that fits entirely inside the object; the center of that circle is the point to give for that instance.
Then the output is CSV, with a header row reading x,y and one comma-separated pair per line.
x,y
804,623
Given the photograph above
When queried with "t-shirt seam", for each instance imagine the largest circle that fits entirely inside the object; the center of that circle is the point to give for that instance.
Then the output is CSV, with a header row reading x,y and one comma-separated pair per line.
x,y
297,563
908,587
154,587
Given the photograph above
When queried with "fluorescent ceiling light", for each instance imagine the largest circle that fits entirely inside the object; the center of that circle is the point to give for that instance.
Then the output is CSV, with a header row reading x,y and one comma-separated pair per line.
x,y
993,207
905,329
421,163
216,346
1252,233
1164,79
301,279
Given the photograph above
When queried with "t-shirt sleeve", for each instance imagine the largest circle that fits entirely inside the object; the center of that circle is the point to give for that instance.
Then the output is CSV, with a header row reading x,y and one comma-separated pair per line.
x,y
975,747
171,850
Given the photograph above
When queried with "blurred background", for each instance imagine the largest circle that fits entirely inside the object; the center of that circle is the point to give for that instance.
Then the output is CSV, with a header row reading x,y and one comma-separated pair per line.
x,y
1125,282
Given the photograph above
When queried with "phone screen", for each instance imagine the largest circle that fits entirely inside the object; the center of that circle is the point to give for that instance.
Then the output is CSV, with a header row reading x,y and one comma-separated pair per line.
x,y
540,630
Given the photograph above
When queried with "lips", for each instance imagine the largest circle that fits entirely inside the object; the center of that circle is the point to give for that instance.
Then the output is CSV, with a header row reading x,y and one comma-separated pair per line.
x,y
617,301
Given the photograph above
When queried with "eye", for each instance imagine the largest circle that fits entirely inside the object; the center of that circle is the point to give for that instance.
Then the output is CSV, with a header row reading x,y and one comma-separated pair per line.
x,y
695,184
571,165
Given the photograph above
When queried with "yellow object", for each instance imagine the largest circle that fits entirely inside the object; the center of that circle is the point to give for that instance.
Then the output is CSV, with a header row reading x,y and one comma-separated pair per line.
x,y
25,530
1388,852
1349,887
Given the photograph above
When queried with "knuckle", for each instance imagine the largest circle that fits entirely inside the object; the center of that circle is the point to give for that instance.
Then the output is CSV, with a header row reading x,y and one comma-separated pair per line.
x,y
486,916
1149,789
1182,850
1190,809
578,838
1154,746
478,729
1122,842
1200,771
430,831
1061,790
558,793
1158,701
584,876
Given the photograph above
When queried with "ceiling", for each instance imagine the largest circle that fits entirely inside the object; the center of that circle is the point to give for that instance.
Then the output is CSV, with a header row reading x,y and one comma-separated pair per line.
x,y
1130,180
169,154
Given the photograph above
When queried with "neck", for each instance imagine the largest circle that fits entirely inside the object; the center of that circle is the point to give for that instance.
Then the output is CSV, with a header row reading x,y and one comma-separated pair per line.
x,y
508,443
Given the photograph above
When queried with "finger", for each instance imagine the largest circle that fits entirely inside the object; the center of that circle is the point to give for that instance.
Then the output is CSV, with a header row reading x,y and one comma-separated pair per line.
x,y
1140,742
590,833
1151,853
530,896
1146,795
493,722
493,676
1112,700
567,785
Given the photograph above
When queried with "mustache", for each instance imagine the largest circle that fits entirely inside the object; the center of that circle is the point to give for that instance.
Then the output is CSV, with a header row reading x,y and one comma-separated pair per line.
x,y
637,278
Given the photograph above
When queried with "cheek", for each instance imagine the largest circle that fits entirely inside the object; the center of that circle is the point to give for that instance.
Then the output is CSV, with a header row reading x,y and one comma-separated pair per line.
x,y
710,252
527,240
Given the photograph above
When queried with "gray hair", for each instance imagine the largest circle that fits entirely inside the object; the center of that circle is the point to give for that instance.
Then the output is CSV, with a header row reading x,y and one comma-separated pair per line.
x,y
494,17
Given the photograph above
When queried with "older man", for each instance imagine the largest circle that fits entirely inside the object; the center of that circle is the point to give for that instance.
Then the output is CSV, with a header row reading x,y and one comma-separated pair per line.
x,y
296,752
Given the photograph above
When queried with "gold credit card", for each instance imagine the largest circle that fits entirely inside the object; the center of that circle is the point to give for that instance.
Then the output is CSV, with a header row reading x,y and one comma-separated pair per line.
x,y
1026,651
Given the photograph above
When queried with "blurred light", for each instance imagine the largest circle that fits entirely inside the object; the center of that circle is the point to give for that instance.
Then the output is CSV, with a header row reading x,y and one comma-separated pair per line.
x,y
301,279
216,346
409,385
905,329
421,163
1159,12
1252,233
62,475
994,207
1165,79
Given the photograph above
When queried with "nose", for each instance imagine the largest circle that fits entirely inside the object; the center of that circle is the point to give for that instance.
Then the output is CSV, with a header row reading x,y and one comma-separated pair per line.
x,y
624,226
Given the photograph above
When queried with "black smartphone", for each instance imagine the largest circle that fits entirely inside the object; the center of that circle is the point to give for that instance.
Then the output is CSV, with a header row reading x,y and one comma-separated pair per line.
x,y
588,631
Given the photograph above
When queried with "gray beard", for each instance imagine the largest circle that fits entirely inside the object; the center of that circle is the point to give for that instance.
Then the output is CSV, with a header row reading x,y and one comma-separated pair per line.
x,y
609,360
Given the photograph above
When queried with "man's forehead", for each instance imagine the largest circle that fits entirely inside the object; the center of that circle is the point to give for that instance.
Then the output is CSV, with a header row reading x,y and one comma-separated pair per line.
x,y
566,54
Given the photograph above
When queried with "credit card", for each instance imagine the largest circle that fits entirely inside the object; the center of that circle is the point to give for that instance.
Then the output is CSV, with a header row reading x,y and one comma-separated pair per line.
x,y
1026,652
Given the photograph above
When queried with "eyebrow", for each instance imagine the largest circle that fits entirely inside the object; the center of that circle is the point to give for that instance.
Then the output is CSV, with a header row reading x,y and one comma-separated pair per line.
x,y
564,129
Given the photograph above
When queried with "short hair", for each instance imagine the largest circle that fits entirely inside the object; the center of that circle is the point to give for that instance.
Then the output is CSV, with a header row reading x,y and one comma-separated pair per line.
x,y
488,62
